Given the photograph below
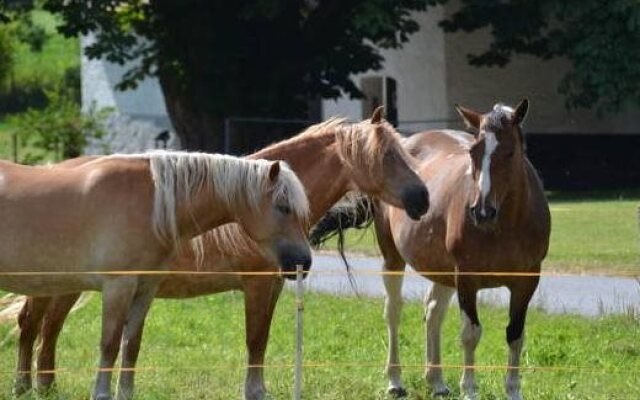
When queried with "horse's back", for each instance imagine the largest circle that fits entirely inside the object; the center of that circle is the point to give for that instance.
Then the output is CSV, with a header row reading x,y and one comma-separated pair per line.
x,y
423,145
72,216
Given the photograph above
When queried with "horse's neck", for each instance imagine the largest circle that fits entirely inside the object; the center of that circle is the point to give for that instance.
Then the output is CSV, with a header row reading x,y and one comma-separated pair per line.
x,y
315,159
202,214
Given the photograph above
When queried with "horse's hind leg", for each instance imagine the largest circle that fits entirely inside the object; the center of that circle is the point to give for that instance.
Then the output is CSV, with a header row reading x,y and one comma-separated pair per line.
x,y
260,297
436,306
29,321
520,297
132,335
117,295
54,318
394,267
471,333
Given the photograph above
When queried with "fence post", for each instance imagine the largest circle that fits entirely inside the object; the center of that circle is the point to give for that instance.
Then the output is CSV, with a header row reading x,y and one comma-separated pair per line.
x,y
14,139
297,384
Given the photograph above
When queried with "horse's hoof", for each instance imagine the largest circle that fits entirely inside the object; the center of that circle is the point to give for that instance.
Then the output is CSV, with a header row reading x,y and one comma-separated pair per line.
x,y
21,387
397,392
102,396
441,392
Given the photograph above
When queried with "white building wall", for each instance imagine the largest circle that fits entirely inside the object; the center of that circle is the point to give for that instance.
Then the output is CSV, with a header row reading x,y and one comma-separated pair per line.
x,y
524,76
433,74
419,70
138,115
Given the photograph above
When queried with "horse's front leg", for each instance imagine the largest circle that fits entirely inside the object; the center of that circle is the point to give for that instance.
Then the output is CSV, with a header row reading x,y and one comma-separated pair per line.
x,y
117,295
392,316
471,333
260,297
436,305
132,335
29,321
521,294
54,318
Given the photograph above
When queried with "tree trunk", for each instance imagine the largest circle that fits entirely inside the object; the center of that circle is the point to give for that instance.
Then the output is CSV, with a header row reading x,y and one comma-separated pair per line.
x,y
196,128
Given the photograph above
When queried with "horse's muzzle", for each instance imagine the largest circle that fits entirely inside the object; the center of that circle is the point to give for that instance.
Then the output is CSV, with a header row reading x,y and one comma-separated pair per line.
x,y
415,200
483,217
290,256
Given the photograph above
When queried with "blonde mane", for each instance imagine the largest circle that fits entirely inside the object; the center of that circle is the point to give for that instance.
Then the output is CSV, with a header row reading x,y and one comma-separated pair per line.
x,y
235,182
363,145
360,145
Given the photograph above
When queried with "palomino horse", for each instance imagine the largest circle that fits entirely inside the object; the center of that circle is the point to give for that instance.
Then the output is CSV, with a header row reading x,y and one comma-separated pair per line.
x,y
98,225
331,159
488,214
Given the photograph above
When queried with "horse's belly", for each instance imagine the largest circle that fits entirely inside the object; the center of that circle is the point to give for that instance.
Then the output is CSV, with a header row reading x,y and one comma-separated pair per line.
x,y
183,286
48,285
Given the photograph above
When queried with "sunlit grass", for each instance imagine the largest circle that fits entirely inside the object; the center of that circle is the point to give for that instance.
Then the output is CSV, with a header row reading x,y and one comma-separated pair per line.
x,y
194,349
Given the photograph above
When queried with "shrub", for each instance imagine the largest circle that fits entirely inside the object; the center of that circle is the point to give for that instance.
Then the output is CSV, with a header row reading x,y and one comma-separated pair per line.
x,y
60,128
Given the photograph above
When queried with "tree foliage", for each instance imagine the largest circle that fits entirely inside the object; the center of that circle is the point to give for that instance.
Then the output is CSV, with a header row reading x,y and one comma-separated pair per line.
x,y
600,38
216,59
6,55
256,57
59,128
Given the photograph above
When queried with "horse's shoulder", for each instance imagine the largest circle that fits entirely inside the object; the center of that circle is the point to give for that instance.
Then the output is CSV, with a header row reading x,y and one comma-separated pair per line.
x,y
426,144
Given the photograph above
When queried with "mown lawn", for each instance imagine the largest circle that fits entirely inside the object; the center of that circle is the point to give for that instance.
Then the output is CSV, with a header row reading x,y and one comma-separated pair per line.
x,y
591,232
194,349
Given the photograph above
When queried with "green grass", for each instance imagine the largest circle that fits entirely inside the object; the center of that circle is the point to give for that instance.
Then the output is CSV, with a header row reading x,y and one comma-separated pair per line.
x,y
590,232
197,350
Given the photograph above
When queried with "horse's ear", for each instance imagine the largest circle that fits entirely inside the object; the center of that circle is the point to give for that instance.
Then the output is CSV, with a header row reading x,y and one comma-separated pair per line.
x,y
274,171
520,112
378,115
471,118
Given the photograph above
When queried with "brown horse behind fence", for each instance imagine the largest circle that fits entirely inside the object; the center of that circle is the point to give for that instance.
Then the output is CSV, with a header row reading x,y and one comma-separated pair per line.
x,y
331,159
488,214
67,227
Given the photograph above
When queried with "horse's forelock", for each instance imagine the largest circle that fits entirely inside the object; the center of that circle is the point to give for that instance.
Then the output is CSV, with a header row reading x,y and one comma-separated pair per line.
x,y
290,189
365,144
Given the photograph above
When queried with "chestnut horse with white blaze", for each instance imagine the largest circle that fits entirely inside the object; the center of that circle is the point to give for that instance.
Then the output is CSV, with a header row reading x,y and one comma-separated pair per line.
x,y
488,214
330,159
98,225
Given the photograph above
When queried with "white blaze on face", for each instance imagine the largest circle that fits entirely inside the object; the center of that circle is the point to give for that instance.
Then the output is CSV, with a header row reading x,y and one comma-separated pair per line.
x,y
484,181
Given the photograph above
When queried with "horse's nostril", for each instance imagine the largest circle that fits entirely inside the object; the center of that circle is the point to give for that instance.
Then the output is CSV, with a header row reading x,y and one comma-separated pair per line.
x,y
491,213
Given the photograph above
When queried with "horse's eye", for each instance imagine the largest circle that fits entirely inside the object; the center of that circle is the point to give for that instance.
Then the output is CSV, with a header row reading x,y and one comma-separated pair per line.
x,y
510,153
284,209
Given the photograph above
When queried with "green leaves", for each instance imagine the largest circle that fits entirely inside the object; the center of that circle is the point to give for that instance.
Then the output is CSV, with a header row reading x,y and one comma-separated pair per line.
x,y
249,57
60,127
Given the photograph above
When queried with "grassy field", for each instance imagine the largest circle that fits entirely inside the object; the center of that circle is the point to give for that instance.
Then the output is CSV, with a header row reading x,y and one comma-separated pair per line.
x,y
195,350
590,232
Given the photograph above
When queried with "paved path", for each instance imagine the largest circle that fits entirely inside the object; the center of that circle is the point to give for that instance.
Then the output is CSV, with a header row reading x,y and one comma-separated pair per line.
x,y
585,295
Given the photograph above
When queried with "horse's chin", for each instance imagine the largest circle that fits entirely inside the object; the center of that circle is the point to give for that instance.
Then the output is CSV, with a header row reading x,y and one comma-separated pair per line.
x,y
484,226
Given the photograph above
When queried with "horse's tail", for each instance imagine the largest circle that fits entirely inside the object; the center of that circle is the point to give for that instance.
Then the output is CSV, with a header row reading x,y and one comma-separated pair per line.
x,y
10,306
352,212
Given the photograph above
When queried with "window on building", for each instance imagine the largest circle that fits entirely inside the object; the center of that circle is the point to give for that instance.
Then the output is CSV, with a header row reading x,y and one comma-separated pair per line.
x,y
380,91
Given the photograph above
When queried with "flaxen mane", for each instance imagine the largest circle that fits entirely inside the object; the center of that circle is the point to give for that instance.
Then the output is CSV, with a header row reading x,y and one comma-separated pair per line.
x,y
237,183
